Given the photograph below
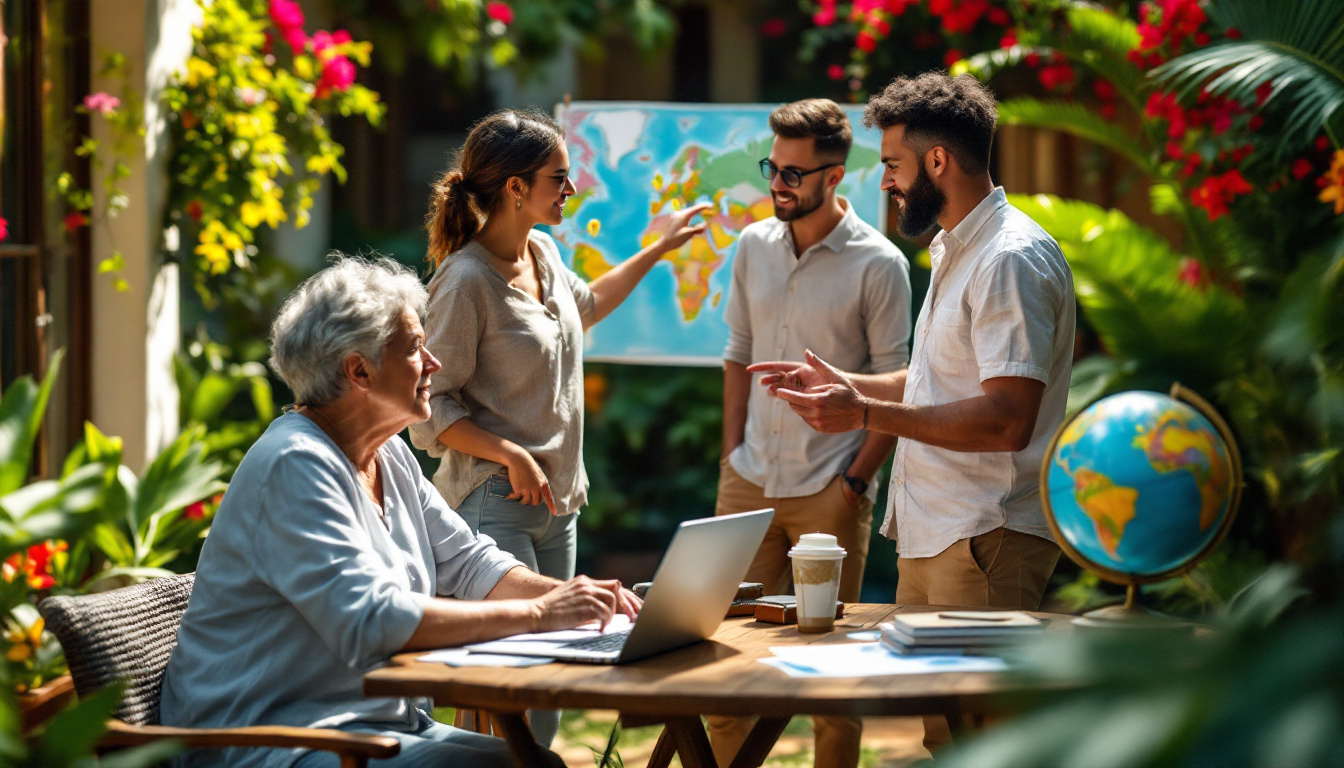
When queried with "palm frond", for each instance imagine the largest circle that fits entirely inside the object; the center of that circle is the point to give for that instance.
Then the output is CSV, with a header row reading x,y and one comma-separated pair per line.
x,y
987,64
1102,40
1125,277
1298,46
1080,121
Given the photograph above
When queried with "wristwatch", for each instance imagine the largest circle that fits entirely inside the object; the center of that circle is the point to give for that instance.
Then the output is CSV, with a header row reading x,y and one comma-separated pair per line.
x,y
857,485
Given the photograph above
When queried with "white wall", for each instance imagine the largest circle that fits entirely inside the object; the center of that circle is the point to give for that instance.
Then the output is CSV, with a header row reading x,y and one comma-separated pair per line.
x,y
136,332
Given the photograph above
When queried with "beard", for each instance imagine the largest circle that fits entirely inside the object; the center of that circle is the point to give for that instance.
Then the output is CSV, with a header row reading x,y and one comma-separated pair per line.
x,y
923,204
802,206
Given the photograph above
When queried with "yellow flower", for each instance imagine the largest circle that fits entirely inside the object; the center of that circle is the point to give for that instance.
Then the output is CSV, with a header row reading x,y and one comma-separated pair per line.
x,y
198,70
1333,191
24,642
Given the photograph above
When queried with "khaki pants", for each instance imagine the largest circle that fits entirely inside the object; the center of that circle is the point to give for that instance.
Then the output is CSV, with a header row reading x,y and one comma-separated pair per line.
x,y
837,738
998,569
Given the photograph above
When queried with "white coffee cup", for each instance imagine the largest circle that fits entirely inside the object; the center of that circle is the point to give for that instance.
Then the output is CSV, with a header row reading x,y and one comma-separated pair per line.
x,y
817,560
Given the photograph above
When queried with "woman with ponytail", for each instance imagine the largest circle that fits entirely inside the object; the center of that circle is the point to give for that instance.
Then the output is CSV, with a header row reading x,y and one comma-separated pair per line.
x,y
506,318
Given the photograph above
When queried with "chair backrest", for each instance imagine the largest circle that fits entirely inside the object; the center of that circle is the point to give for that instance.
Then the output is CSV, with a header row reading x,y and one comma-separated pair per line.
x,y
124,635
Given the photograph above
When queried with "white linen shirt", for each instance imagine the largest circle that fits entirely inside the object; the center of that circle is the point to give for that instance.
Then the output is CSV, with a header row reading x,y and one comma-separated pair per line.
x,y
1000,303
847,299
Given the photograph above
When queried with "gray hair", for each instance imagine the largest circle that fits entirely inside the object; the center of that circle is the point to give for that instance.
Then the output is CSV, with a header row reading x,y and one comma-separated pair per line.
x,y
351,307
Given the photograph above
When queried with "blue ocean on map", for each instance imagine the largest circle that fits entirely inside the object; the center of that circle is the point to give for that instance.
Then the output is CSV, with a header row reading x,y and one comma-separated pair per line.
x,y
636,163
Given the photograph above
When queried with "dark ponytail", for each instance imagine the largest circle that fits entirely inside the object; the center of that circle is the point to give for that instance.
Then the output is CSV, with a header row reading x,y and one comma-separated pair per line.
x,y
504,144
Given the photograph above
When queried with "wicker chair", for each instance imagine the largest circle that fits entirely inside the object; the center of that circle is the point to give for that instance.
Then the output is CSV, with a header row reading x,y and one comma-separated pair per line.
x,y
127,635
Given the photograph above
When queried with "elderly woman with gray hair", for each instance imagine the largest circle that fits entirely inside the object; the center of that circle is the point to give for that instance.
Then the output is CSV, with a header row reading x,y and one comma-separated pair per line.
x,y
331,551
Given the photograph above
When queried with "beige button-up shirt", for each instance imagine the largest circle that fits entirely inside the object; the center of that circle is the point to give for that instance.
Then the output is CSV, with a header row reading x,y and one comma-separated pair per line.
x,y
847,299
1000,303
512,364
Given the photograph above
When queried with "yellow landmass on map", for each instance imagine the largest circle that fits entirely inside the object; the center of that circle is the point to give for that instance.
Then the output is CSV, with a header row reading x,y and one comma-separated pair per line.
x,y
589,263
1110,506
1172,446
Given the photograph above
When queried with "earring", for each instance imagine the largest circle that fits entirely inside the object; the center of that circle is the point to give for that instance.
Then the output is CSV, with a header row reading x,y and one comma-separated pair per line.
x,y
519,206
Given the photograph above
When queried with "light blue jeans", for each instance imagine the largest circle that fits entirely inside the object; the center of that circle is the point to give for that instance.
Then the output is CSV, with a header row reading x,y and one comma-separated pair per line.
x,y
435,745
542,541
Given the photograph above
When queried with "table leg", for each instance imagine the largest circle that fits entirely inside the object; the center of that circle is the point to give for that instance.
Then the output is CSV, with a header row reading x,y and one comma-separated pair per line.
x,y
663,750
522,743
688,734
759,742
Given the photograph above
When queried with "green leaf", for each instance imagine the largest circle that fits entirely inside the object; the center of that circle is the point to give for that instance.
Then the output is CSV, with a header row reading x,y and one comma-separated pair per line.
x,y
1081,121
21,411
113,543
1298,46
72,734
1125,278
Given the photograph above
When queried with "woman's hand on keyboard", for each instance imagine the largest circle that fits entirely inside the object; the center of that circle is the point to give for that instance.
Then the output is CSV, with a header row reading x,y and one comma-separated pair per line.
x,y
576,602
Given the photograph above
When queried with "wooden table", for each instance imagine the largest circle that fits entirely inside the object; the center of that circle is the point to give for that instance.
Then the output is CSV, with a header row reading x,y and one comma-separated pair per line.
x,y
716,677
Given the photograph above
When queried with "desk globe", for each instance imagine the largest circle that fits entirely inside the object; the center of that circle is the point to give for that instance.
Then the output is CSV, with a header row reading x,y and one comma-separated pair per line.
x,y
1139,487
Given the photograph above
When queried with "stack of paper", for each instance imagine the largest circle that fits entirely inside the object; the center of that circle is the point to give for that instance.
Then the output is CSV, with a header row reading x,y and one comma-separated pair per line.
x,y
951,633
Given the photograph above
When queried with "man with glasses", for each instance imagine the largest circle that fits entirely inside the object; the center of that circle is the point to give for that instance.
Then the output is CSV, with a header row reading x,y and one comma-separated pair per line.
x,y
815,277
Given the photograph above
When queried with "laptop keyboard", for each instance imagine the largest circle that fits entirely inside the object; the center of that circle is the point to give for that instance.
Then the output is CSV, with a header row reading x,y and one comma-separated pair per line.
x,y
600,643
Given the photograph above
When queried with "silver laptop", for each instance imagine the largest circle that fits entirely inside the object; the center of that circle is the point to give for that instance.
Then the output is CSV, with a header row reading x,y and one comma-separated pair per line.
x,y
690,594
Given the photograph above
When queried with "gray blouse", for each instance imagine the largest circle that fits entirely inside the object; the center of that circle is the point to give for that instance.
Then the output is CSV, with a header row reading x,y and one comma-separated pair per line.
x,y
511,364
302,588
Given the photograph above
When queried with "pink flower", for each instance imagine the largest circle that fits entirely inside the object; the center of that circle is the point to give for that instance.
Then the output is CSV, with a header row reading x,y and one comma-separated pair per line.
x,y
775,27
4,229
101,103
324,42
338,74
498,11
286,14
835,72
1192,273
825,17
296,38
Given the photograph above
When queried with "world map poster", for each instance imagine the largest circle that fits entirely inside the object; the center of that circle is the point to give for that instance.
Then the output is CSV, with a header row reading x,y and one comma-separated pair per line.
x,y
636,163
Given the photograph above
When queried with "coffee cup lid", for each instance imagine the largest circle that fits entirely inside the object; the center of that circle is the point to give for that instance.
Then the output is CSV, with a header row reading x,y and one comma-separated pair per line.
x,y
817,545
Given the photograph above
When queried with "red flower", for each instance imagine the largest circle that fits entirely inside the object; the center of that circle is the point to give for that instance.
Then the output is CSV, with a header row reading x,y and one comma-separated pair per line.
x,y
1201,39
897,7
775,27
1009,39
296,39
1175,151
1322,143
1032,59
835,72
998,17
74,220
1302,168
1192,273
1056,76
1104,89
1192,163
881,27
194,511
194,210
1107,110
1209,196
951,57
499,11
825,17
865,42
1233,33
1235,184
286,14
1255,122
1241,153
338,74
4,229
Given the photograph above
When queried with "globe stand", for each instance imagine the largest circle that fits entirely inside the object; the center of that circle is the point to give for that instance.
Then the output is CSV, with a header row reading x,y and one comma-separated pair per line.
x,y
1129,616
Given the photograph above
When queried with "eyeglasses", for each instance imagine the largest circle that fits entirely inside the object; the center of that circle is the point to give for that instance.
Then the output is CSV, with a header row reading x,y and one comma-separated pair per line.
x,y
792,178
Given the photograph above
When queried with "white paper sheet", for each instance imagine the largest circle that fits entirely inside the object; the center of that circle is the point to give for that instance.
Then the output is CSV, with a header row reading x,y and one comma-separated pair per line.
x,y
461,657
869,660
